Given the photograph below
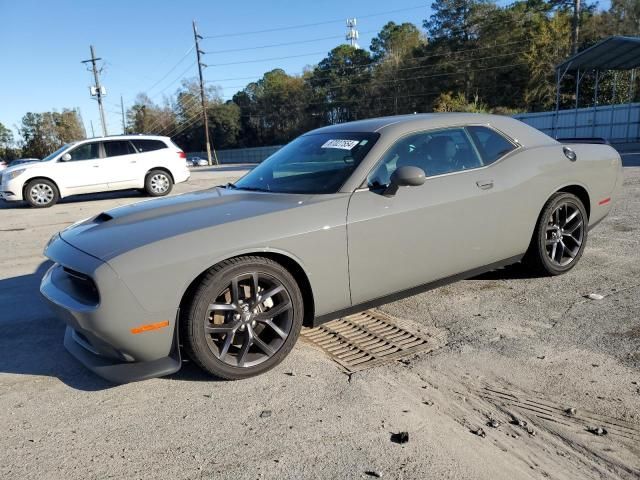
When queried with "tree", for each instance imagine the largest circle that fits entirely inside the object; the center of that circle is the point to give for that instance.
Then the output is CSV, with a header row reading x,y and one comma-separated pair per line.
x,y
7,150
144,116
42,133
342,79
456,20
395,41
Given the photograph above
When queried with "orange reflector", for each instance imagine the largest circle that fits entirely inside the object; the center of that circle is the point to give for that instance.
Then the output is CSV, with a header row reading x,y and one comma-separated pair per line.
x,y
604,201
149,327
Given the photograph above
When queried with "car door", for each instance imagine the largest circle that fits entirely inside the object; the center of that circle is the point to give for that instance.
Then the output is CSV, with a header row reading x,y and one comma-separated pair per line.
x,y
121,164
83,171
449,225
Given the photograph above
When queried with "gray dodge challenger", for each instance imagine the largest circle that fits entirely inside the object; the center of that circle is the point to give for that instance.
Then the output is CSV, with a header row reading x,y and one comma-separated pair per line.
x,y
341,219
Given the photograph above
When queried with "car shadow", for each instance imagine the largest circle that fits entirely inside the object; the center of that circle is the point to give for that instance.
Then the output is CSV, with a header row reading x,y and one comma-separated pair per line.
x,y
517,271
31,340
83,198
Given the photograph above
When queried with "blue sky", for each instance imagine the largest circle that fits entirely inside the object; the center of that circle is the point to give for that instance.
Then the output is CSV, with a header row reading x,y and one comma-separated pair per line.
x,y
143,44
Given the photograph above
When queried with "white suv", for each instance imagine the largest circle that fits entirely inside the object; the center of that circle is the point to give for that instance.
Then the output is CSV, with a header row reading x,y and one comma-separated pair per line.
x,y
96,165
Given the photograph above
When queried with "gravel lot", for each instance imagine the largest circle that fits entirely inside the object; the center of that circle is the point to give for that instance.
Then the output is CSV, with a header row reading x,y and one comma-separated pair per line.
x,y
518,347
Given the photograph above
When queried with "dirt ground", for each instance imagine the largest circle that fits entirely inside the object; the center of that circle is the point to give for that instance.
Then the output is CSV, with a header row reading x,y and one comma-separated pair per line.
x,y
494,402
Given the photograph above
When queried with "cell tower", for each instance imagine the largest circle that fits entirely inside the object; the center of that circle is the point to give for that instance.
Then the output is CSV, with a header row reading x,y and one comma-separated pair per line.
x,y
352,33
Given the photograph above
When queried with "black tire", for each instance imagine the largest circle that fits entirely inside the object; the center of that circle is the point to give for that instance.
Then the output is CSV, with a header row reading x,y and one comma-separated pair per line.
x,y
158,183
205,349
547,232
41,193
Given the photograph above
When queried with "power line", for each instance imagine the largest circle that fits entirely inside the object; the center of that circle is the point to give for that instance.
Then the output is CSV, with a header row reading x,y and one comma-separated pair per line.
x,y
306,25
373,81
272,45
178,78
267,59
334,103
184,56
364,67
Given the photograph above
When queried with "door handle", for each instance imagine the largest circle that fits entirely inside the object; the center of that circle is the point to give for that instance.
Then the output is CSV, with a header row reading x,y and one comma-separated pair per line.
x,y
133,161
96,166
484,184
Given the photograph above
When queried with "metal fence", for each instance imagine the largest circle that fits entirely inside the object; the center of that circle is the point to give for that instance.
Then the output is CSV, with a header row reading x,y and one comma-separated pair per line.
x,y
240,155
616,123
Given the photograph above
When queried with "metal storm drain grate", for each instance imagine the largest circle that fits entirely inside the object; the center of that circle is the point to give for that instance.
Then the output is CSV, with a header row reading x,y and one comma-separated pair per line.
x,y
369,339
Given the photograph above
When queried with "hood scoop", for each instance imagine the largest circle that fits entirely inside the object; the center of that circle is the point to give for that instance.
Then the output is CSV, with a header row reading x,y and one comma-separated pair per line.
x,y
103,217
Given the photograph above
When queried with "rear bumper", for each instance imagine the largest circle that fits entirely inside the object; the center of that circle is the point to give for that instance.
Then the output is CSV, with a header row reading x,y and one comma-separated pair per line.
x,y
104,319
182,175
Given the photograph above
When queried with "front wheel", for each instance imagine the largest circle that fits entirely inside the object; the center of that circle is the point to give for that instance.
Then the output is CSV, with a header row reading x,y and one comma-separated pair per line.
x,y
41,193
243,319
559,237
158,183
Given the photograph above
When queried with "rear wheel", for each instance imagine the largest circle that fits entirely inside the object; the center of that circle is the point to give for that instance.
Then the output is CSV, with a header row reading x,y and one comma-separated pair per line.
x,y
560,235
41,193
158,183
243,319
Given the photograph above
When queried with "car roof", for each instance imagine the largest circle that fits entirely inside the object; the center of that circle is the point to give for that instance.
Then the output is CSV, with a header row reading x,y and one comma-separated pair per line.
x,y
128,137
402,124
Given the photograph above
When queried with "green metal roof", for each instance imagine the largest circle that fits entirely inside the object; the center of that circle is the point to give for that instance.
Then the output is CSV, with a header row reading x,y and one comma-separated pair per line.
x,y
613,53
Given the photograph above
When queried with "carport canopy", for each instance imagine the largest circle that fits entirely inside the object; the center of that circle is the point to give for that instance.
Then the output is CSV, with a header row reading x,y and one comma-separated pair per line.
x,y
613,53
617,53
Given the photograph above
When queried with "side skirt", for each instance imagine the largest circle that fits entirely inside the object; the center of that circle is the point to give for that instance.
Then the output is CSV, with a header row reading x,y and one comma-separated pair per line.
x,y
414,290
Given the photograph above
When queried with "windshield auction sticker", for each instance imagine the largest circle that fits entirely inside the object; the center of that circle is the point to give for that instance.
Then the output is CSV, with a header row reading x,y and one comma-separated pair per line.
x,y
341,144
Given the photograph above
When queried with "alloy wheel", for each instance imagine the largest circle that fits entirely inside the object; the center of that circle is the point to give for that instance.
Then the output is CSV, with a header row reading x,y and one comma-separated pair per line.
x,y
564,234
249,321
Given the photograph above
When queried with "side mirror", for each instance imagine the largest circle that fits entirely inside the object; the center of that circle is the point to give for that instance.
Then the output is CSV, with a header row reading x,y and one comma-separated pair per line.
x,y
405,177
66,157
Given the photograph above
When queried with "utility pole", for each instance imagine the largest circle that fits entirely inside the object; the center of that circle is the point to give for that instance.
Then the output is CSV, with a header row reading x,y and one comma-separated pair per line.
x,y
205,120
93,133
575,27
124,125
97,91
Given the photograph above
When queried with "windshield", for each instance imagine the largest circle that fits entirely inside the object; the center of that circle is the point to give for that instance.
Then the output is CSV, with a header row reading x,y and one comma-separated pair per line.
x,y
311,164
60,150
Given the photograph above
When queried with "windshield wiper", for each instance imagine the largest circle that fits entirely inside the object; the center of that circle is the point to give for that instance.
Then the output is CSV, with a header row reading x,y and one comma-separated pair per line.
x,y
230,185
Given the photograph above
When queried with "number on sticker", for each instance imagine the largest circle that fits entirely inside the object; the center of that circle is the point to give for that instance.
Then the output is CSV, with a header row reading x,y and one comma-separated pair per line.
x,y
341,144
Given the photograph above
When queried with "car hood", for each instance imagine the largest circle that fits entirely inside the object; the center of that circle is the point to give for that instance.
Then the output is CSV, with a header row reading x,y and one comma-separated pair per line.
x,y
139,224
29,164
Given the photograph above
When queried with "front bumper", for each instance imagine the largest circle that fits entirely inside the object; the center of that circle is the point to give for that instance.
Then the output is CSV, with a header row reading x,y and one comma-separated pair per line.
x,y
119,372
11,191
104,318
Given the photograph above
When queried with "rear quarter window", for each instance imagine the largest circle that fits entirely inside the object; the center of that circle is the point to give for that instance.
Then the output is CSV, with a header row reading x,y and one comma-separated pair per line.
x,y
148,145
491,144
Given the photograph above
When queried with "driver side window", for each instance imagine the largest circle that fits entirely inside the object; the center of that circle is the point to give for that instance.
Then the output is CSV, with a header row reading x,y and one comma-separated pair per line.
x,y
87,151
436,152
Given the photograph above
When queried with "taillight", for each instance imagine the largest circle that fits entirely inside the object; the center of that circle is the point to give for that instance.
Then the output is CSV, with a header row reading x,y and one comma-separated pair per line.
x,y
181,154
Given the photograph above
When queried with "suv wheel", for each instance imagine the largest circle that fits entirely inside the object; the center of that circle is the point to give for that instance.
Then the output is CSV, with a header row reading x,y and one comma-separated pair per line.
x,y
41,193
158,183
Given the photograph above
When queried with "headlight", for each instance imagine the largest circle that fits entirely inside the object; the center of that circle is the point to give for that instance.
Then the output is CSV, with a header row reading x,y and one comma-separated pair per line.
x,y
14,174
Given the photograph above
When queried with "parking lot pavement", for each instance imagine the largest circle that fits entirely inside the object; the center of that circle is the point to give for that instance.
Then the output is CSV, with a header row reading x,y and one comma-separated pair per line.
x,y
495,402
